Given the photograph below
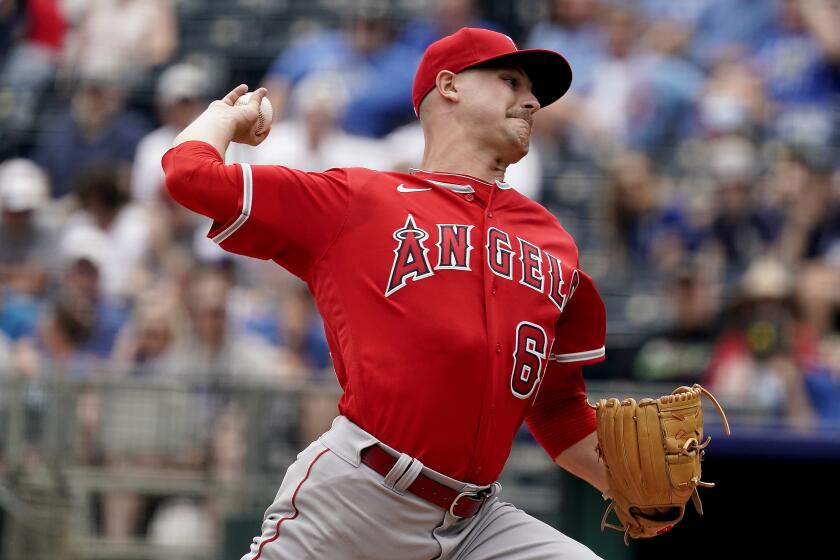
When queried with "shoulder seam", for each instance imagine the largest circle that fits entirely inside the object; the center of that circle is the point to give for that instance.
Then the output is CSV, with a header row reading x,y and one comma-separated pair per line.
x,y
353,195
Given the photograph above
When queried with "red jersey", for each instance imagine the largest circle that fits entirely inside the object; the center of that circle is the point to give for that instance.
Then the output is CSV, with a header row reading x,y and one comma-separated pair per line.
x,y
454,308
47,25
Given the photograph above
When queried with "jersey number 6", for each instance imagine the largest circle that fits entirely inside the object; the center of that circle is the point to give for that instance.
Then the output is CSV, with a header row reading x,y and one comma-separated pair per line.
x,y
528,359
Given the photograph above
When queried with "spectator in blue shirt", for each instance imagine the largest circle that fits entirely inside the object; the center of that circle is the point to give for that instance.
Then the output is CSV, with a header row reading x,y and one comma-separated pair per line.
x,y
378,71
662,104
674,18
97,128
745,223
573,30
639,230
18,315
684,12
294,325
58,348
81,283
727,27
799,64
812,218
448,16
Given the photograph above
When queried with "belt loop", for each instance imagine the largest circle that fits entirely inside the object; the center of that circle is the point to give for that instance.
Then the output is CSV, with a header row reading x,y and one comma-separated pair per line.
x,y
405,474
397,471
408,477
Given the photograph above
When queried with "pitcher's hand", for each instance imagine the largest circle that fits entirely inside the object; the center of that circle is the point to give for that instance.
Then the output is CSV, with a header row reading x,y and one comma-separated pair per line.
x,y
241,118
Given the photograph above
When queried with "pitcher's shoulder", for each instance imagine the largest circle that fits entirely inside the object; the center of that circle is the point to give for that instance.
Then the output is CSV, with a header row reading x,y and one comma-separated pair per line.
x,y
544,216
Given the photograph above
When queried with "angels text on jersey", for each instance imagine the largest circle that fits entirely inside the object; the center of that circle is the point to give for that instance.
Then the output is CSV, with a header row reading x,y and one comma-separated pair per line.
x,y
507,256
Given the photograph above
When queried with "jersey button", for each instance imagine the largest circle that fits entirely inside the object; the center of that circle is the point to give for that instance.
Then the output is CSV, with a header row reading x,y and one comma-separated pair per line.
x,y
498,348
490,215
493,290
469,197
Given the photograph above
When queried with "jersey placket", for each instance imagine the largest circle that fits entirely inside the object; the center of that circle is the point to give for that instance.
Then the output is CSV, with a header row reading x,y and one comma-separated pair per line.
x,y
493,354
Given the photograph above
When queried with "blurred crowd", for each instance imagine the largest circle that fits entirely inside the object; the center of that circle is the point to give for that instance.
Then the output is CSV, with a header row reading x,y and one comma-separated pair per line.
x,y
696,161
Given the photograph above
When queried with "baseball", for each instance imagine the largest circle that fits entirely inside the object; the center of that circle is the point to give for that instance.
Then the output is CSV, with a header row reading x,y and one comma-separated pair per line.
x,y
263,117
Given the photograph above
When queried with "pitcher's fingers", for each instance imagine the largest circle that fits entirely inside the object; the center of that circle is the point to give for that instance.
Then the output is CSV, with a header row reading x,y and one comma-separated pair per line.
x,y
260,93
235,94
255,100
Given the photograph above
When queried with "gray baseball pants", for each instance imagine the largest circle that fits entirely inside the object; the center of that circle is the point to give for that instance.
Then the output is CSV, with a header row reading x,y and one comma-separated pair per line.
x,y
331,506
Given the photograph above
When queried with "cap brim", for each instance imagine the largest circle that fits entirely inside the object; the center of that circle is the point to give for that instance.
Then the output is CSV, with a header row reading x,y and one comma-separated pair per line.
x,y
550,73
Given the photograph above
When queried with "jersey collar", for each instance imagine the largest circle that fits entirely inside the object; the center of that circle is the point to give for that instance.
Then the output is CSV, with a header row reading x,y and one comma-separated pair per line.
x,y
456,182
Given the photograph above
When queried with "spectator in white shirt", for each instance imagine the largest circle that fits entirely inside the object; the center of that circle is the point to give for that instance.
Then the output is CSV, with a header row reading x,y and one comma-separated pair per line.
x,y
123,228
313,140
183,91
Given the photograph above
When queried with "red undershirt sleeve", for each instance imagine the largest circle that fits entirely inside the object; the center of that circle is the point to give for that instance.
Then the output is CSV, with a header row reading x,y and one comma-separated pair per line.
x,y
561,416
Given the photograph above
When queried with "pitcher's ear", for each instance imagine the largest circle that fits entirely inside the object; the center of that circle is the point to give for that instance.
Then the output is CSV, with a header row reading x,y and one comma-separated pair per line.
x,y
446,85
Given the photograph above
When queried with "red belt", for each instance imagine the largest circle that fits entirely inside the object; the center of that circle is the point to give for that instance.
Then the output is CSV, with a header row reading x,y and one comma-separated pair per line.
x,y
459,504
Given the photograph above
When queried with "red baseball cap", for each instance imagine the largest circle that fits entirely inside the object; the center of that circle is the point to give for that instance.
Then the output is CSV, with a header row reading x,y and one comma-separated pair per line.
x,y
549,72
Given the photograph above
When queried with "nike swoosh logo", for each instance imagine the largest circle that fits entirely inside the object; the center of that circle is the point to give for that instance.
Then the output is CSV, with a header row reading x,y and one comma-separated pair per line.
x,y
402,188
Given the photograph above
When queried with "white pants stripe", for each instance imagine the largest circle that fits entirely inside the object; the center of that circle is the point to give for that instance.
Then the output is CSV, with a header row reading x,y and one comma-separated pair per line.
x,y
294,507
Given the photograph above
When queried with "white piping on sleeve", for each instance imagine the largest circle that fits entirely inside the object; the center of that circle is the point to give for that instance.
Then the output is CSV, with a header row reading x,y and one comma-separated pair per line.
x,y
247,197
578,356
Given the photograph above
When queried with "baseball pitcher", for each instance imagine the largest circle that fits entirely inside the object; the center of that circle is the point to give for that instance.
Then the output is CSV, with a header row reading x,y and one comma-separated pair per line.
x,y
454,307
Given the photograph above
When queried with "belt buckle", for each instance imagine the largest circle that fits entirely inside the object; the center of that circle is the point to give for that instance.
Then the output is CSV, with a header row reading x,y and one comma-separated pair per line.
x,y
482,494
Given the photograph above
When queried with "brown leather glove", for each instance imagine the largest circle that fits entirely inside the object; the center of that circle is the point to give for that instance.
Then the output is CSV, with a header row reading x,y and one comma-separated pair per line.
x,y
652,450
